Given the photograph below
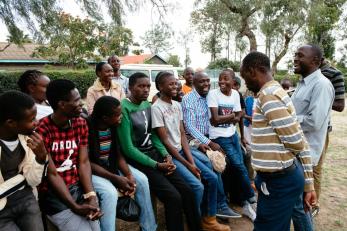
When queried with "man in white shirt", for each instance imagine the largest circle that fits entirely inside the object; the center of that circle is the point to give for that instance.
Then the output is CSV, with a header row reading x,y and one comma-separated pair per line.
x,y
114,61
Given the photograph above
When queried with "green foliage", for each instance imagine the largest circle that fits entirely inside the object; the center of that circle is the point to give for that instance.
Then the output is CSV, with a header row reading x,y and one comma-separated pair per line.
x,y
72,41
158,39
224,63
82,79
116,40
174,60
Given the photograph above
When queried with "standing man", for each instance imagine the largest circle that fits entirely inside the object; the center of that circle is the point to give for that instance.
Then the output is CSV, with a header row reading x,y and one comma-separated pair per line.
x,y
280,154
123,81
188,74
313,99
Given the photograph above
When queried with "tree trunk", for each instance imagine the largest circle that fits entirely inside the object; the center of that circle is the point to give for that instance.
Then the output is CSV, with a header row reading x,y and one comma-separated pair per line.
x,y
282,53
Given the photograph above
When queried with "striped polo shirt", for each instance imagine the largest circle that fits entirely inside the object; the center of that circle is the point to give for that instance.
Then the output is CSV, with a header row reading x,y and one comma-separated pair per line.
x,y
277,138
336,78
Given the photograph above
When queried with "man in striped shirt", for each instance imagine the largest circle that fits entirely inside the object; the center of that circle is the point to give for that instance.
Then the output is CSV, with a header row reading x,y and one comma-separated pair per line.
x,y
280,153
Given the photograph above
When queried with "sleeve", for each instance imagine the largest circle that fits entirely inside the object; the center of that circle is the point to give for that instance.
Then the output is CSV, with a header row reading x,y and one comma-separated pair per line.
x,y
126,143
237,107
158,144
157,116
90,101
242,102
84,132
317,111
190,121
339,85
289,133
212,99
181,112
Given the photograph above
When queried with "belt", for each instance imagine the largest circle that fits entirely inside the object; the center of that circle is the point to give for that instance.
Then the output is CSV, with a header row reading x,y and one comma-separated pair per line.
x,y
278,174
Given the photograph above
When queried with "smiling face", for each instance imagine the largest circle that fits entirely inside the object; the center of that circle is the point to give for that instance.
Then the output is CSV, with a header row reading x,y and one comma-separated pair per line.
x,y
73,106
106,73
201,83
188,75
225,82
305,61
140,90
169,86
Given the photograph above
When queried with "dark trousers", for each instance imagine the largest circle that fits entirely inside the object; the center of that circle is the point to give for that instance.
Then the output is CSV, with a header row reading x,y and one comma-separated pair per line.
x,y
274,211
24,214
175,194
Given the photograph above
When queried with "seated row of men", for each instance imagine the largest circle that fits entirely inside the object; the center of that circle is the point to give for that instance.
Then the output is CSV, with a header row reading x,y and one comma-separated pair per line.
x,y
131,146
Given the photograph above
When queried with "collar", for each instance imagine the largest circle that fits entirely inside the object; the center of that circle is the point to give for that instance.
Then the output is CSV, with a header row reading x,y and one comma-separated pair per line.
x,y
308,79
120,77
266,85
98,86
197,95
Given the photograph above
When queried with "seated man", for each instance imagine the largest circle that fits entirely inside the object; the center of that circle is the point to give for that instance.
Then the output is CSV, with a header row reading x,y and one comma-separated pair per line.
x,y
225,111
191,163
68,199
146,153
196,121
108,163
23,158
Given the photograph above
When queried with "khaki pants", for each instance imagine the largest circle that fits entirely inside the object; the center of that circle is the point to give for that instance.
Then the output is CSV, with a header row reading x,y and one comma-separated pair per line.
x,y
317,170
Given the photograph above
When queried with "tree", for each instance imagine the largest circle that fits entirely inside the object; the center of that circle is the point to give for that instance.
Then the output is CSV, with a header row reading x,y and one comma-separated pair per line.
x,y
36,14
322,17
184,39
158,39
224,63
208,21
116,40
72,41
174,60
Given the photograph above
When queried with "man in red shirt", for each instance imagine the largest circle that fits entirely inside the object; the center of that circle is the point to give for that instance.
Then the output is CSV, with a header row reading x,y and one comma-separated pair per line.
x,y
69,200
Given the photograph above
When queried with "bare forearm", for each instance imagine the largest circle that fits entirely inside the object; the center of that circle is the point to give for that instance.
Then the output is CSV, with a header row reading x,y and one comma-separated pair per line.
x,y
85,174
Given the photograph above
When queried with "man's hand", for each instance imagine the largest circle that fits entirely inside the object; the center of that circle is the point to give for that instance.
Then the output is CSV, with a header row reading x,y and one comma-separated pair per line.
x,y
244,142
166,167
124,184
133,182
203,147
310,199
36,144
195,171
215,147
87,210
94,215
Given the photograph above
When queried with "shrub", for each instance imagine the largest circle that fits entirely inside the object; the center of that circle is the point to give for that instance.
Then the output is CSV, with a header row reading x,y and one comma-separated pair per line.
x,y
82,79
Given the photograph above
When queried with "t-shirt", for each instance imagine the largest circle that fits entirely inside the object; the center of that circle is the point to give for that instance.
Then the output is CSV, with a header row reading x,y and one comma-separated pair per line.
x,y
64,145
43,111
169,116
186,89
226,105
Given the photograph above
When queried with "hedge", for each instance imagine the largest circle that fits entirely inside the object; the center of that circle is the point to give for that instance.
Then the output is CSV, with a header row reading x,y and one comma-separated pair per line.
x,y
82,79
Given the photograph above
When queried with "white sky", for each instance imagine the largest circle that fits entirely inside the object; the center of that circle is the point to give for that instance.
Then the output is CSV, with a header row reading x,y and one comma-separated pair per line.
x,y
142,20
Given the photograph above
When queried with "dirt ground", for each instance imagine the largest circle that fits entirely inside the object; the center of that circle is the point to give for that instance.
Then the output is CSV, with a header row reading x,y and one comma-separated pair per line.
x,y
333,201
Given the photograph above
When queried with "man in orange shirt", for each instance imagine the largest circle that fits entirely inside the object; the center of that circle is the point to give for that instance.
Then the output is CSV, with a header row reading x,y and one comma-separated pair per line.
x,y
188,74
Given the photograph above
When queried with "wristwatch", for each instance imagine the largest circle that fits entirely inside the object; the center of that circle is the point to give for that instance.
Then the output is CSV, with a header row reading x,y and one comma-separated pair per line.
x,y
90,194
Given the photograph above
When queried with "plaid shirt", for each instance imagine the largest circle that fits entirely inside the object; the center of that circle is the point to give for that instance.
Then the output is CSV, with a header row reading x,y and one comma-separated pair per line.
x,y
63,145
195,116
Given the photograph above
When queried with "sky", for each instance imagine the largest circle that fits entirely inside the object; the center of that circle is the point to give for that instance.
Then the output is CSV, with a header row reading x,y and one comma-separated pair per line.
x,y
179,20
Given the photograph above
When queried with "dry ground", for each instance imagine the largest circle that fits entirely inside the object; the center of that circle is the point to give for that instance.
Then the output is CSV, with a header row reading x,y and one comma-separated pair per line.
x,y
333,214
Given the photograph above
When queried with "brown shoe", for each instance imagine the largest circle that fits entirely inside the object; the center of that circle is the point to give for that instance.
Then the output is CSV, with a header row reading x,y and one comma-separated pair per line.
x,y
211,224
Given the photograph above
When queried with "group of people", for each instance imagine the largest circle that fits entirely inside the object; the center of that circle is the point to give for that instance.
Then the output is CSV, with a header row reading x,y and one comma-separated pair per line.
x,y
72,164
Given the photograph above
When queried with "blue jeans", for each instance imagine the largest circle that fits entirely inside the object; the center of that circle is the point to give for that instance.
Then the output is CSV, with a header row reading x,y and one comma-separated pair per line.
x,y
274,211
232,149
108,196
302,221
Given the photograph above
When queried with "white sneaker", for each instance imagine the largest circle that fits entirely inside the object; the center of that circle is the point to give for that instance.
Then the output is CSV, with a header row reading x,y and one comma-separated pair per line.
x,y
248,211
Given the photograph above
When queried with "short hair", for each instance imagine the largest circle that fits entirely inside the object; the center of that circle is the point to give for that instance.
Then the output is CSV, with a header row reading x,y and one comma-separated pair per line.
x,y
186,69
59,90
13,104
104,106
257,60
316,50
109,58
161,77
99,66
134,77
231,71
27,78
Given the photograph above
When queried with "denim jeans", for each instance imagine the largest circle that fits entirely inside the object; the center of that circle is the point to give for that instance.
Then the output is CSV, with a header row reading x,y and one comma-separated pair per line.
x,y
205,199
108,196
232,149
275,205
302,221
